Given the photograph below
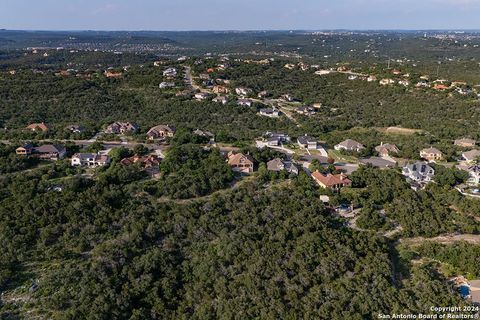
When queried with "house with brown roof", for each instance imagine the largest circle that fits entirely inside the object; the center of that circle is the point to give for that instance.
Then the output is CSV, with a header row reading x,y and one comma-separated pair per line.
x,y
331,181
122,127
349,145
465,143
240,162
440,87
431,154
49,152
150,163
160,132
220,90
278,164
113,74
385,149
38,127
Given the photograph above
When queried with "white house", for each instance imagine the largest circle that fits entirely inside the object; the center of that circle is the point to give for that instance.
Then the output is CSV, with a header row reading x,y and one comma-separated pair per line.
x,y
89,160
270,112
419,172
307,142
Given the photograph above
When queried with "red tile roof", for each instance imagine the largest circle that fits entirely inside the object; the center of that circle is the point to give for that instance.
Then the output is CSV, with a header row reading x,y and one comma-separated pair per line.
x,y
330,180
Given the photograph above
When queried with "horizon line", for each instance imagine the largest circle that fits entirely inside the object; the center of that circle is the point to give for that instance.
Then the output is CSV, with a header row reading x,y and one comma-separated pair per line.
x,y
245,30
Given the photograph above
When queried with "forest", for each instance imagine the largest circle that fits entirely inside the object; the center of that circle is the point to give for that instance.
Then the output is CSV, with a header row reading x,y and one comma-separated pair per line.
x,y
97,251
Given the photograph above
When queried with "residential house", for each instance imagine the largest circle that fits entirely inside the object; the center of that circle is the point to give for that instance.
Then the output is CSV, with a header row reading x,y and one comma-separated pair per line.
x,y
25,150
404,83
221,90
270,112
371,79
160,132
306,110
170,72
201,96
349,145
287,97
147,161
278,164
440,87
465,143
158,63
289,66
122,127
464,91
431,154
323,72
385,82
471,156
419,172
76,128
150,163
385,149
307,142
331,181
208,83
184,93
49,152
262,94
303,66
38,127
458,84
241,91
422,84
473,174
221,99
206,134
240,162
91,160
244,102
204,76
165,85
113,74
274,139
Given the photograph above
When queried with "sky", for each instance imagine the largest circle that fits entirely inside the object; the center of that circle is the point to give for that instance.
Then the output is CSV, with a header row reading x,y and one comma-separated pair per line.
x,y
238,14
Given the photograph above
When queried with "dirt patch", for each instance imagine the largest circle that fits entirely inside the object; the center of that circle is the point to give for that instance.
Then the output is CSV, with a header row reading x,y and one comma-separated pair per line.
x,y
445,239
400,130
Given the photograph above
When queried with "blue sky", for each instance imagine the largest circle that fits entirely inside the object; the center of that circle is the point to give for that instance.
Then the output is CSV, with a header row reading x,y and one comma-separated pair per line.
x,y
238,14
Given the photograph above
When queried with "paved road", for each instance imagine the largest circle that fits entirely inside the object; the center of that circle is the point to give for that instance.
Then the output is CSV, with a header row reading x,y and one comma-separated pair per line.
x,y
106,144
189,80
